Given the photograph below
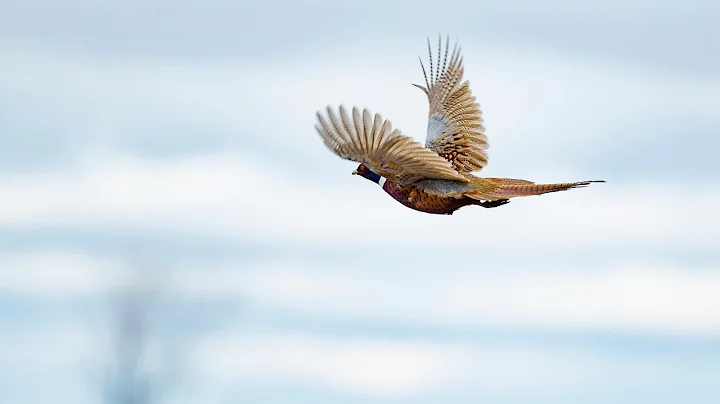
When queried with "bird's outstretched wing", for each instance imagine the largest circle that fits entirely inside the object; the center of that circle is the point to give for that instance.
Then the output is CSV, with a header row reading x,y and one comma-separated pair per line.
x,y
455,125
372,141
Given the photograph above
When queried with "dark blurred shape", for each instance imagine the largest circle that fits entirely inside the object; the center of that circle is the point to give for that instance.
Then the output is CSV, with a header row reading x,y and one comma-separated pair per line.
x,y
143,366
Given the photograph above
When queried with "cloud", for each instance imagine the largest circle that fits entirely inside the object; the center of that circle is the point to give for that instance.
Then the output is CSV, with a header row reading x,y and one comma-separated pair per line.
x,y
355,366
381,368
620,297
52,348
386,368
55,273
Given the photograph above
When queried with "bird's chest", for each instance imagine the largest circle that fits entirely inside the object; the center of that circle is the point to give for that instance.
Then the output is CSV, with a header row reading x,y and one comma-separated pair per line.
x,y
415,198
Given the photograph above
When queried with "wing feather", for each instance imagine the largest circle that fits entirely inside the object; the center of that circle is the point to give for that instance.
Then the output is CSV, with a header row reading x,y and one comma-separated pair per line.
x,y
372,141
455,125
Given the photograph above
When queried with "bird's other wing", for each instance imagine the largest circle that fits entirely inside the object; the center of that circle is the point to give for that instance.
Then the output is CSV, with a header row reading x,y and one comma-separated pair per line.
x,y
455,126
372,141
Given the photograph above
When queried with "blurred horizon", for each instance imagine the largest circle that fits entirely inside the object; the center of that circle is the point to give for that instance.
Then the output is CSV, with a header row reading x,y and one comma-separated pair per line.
x,y
172,143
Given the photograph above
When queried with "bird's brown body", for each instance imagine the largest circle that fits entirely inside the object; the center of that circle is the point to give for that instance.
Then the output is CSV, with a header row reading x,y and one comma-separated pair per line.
x,y
416,198
434,178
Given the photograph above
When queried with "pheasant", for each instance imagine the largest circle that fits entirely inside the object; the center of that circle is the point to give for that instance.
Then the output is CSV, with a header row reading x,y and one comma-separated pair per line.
x,y
435,178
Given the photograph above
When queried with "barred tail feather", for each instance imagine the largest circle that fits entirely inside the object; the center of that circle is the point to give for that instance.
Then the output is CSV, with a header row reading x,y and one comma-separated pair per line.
x,y
513,190
504,188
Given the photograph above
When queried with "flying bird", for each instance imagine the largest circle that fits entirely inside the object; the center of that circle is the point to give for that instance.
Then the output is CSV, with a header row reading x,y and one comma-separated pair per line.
x,y
435,178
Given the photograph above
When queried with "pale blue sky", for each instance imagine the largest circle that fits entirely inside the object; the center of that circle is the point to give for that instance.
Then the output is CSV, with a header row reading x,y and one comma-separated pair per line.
x,y
178,137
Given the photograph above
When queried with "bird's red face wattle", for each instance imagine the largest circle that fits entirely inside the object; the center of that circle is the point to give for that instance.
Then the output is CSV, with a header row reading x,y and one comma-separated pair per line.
x,y
361,170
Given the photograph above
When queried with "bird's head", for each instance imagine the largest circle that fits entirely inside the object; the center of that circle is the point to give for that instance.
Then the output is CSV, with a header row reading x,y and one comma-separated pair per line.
x,y
366,173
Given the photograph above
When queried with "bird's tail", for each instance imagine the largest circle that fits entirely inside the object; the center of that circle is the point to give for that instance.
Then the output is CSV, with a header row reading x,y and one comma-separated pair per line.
x,y
505,188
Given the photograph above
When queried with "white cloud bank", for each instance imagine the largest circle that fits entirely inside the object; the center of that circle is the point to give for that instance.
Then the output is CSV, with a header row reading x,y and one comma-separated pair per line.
x,y
378,367
624,298
610,298
357,366
371,367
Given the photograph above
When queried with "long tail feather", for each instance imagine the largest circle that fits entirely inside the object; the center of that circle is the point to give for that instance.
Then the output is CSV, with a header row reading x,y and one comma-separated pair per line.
x,y
504,188
512,190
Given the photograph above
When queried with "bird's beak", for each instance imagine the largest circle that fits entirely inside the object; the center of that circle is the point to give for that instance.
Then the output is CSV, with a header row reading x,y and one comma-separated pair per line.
x,y
354,172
